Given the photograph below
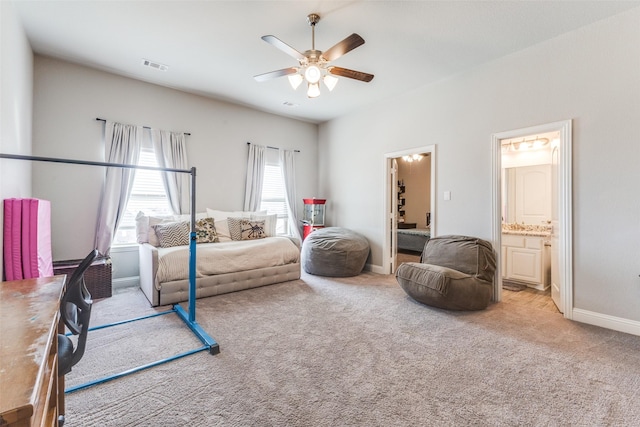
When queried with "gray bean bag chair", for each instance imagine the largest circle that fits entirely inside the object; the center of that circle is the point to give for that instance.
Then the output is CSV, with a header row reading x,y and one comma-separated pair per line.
x,y
454,272
335,252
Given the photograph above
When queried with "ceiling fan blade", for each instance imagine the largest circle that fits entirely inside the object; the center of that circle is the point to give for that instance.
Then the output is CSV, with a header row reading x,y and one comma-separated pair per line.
x,y
345,46
276,42
273,74
345,72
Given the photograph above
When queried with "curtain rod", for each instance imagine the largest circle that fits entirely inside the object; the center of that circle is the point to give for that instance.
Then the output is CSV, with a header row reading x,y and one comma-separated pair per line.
x,y
274,148
146,127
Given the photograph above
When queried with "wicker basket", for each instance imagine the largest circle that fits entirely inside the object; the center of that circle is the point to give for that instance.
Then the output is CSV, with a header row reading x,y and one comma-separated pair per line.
x,y
97,277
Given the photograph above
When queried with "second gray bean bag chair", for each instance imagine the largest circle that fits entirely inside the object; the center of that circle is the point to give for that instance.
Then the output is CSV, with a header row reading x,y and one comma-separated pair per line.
x,y
455,273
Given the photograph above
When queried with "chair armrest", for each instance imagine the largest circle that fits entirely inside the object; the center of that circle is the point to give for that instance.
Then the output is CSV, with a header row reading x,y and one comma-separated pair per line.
x,y
148,255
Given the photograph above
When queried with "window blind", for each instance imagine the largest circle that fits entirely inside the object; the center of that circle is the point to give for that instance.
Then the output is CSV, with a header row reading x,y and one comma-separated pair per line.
x,y
147,195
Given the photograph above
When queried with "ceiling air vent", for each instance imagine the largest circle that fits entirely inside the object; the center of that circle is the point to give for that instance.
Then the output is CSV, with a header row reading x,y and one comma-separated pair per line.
x,y
155,65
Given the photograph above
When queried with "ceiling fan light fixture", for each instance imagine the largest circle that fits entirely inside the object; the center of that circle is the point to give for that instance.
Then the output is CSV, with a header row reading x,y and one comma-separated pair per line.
x,y
295,80
313,65
313,90
330,81
312,74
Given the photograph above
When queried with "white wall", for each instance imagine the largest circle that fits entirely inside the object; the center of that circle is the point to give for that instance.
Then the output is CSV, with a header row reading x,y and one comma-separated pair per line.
x,y
591,75
69,97
16,89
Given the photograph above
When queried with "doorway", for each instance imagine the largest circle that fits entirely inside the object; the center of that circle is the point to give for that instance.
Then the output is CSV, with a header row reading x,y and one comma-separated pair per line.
x,y
558,216
409,205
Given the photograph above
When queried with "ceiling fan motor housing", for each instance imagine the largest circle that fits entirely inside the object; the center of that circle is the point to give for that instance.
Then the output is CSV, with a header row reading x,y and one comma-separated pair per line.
x,y
313,19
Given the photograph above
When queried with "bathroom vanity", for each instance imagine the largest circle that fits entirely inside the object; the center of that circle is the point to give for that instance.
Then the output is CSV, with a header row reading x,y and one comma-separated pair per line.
x,y
526,257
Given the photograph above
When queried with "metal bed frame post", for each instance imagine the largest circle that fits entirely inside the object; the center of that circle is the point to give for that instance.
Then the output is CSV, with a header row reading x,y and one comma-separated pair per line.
x,y
189,318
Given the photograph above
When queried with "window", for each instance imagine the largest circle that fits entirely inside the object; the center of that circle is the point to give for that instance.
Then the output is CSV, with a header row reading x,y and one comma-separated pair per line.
x,y
273,197
147,195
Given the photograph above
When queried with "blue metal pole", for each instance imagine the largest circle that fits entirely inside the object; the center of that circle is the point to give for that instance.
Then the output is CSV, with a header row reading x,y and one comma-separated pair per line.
x,y
122,322
192,250
214,347
133,370
190,319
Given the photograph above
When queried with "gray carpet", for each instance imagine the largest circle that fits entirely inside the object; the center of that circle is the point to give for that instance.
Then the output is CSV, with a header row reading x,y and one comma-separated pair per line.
x,y
354,352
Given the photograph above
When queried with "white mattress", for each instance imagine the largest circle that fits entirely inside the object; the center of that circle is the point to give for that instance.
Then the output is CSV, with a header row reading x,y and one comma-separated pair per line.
x,y
225,257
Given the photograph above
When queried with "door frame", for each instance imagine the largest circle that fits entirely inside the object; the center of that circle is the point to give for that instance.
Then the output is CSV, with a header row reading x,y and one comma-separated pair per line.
x,y
390,252
565,215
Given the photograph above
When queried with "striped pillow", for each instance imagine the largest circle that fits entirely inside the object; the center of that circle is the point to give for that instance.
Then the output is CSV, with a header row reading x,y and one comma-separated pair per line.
x,y
173,233
235,228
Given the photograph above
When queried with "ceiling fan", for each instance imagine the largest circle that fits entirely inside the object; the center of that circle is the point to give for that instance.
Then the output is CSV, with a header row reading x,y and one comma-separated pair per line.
x,y
314,64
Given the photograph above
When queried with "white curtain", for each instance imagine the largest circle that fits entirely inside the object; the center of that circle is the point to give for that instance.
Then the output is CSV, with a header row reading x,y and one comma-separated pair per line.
x,y
255,177
171,152
122,146
288,165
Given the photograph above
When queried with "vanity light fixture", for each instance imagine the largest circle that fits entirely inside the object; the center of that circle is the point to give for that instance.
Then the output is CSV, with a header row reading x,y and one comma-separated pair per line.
x,y
412,158
525,145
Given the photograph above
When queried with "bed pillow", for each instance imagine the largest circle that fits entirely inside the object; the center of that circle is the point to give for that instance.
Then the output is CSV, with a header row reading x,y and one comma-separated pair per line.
x,y
246,229
270,222
206,231
187,217
172,233
154,239
142,228
145,232
235,228
222,225
251,229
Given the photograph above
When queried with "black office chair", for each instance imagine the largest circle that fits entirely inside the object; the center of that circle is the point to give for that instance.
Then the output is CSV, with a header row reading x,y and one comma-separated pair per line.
x,y
75,309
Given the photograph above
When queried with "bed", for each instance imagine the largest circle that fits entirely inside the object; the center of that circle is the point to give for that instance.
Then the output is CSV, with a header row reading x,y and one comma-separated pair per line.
x,y
413,239
223,265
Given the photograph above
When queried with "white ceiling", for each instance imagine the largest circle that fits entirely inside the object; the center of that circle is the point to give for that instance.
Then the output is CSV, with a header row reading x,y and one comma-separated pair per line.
x,y
213,48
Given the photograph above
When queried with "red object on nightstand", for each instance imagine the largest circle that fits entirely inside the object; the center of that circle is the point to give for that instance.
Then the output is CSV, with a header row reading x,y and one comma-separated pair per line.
x,y
313,215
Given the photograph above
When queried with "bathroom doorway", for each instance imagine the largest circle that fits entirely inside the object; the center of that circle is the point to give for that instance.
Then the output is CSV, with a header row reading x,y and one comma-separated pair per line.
x,y
532,210
410,204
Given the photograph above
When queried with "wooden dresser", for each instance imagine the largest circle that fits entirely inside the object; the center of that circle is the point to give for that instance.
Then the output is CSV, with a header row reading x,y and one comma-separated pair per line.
x,y
30,391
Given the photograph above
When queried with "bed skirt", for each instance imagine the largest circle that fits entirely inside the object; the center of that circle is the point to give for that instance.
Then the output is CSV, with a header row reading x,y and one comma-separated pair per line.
x,y
178,291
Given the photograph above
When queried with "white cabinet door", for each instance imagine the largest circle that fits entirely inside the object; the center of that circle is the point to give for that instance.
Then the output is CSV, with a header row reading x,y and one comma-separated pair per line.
x,y
524,264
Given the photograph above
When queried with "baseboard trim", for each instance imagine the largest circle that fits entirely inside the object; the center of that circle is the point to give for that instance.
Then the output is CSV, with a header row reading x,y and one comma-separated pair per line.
x,y
374,269
125,282
606,321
